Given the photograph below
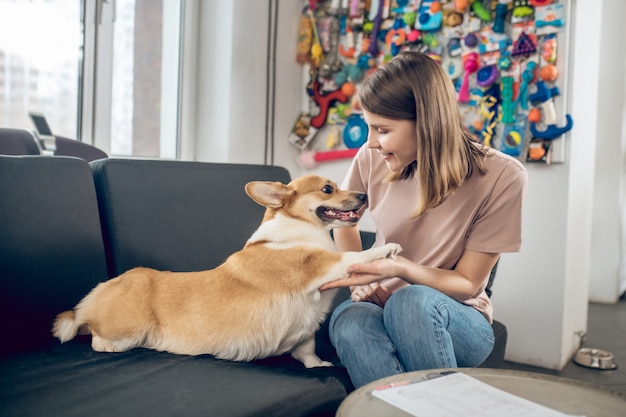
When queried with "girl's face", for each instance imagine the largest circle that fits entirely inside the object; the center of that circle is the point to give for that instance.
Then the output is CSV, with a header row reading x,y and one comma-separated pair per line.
x,y
394,140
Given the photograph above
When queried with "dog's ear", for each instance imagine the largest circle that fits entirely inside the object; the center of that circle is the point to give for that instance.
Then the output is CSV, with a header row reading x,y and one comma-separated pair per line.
x,y
268,194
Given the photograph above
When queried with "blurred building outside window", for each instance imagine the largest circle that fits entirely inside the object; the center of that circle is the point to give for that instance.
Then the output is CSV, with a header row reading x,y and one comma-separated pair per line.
x,y
102,71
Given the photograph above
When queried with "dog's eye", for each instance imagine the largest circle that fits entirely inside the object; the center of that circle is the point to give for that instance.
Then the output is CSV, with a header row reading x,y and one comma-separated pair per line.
x,y
327,189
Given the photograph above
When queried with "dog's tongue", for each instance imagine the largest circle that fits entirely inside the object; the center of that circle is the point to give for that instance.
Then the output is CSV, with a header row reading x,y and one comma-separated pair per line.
x,y
338,214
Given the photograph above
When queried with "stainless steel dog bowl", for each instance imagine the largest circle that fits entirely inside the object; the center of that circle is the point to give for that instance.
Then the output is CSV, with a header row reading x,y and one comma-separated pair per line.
x,y
595,358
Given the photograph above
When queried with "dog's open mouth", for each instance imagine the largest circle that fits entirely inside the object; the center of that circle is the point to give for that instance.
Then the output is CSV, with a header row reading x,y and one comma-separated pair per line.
x,y
334,214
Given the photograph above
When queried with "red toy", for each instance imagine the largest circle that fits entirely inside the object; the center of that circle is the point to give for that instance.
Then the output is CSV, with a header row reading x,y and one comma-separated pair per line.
x,y
310,159
324,102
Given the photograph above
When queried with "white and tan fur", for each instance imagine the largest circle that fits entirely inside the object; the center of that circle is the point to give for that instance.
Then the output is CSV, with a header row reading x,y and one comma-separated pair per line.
x,y
262,301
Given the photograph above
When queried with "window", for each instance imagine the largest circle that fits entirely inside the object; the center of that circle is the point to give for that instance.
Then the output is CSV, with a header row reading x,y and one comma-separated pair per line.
x,y
40,58
103,71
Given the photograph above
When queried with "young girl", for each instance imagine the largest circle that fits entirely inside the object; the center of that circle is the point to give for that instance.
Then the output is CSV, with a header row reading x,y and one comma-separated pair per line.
x,y
451,203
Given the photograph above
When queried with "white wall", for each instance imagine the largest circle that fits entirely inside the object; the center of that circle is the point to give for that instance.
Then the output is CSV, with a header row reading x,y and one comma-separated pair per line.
x,y
572,214
609,60
231,85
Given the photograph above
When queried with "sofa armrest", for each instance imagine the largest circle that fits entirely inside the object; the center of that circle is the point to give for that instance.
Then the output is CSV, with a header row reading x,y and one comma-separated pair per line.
x,y
51,251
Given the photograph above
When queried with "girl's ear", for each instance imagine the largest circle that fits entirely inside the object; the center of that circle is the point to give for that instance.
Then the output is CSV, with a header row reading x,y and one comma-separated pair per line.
x,y
268,194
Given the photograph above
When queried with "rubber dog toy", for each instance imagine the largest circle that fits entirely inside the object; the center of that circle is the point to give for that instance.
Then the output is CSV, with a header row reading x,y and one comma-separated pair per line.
x,y
332,64
349,51
536,151
508,105
323,101
378,20
552,131
489,110
317,52
548,52
305,39
487,75
453,67
310,159
429,16
470,64
355,8
461,5
480,11
549,72
355,131
395,38
513,138
543,98
534,115
348,72
498,24
523,46
527,77
522,9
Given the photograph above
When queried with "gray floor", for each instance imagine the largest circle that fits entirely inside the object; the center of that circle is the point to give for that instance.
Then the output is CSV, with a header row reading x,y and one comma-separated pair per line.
x,y
606,331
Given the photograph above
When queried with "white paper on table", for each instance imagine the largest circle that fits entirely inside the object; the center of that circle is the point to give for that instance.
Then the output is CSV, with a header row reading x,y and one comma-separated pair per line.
x,y
460,395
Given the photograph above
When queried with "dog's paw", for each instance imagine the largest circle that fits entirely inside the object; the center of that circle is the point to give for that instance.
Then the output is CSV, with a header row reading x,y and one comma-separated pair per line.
x,y
326,364
314,362
392,249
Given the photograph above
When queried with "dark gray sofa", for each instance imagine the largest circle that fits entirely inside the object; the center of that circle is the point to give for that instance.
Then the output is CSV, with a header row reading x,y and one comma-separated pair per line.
x,y
66,225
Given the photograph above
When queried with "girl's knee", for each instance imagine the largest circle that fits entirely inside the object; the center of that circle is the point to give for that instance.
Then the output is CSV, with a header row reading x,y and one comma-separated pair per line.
x,y
421,291
350,320
417,302
415,297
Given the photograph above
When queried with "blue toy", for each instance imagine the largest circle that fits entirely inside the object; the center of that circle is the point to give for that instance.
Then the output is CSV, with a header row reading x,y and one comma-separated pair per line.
x,y
527,77
513,139
498,24
543,98
429,16
355,132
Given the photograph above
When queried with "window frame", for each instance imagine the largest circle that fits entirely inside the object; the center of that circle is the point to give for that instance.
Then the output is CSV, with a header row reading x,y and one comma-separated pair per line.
x,y
95,97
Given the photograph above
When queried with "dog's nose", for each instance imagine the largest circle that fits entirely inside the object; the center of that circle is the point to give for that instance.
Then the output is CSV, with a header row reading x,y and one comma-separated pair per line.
x,y
361,197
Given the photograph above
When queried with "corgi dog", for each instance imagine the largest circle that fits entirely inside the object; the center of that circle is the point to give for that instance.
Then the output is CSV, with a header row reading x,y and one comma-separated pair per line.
x,y
264,300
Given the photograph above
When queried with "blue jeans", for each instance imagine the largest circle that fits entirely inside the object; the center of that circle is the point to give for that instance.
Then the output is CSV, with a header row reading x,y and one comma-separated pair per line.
x,y
419,328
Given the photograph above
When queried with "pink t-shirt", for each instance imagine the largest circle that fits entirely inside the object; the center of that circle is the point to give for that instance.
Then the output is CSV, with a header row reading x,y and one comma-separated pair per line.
x,y
483,215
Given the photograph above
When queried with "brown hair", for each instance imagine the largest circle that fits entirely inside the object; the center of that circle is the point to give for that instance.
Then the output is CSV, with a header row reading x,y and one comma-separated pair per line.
x,y
412,86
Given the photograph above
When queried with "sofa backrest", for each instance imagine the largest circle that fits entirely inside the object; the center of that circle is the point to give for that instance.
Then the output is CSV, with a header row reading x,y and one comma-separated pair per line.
x,y
18,142
51,247
25,142
71,147
174,215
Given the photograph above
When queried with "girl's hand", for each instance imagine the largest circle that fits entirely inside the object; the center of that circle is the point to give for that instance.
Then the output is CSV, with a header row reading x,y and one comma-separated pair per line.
x,y
367,273
466,280
373,293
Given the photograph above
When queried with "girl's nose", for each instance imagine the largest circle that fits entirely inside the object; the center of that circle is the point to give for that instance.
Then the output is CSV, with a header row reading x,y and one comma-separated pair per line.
x,y
372,143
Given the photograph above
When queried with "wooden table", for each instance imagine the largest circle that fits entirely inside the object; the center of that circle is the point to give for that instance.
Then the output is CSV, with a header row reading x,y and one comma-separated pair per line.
x,y
562,394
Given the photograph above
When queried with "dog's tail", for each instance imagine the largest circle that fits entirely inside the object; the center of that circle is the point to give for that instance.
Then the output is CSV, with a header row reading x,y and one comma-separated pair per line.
x,y
65,326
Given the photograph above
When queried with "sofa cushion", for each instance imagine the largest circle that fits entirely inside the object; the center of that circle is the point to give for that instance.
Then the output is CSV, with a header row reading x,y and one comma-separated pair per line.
x,y
51,248
73,380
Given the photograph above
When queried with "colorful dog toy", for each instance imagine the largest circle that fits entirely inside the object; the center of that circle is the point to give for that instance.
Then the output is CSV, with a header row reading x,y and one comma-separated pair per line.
x,y
470,64
543,98
324,102
310,159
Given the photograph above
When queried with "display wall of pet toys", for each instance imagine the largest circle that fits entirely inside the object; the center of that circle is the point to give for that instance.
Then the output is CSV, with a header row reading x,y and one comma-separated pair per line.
x,y
501,55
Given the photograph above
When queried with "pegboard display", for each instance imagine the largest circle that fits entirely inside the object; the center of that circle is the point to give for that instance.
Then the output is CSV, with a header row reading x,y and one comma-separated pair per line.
x,y
501,55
